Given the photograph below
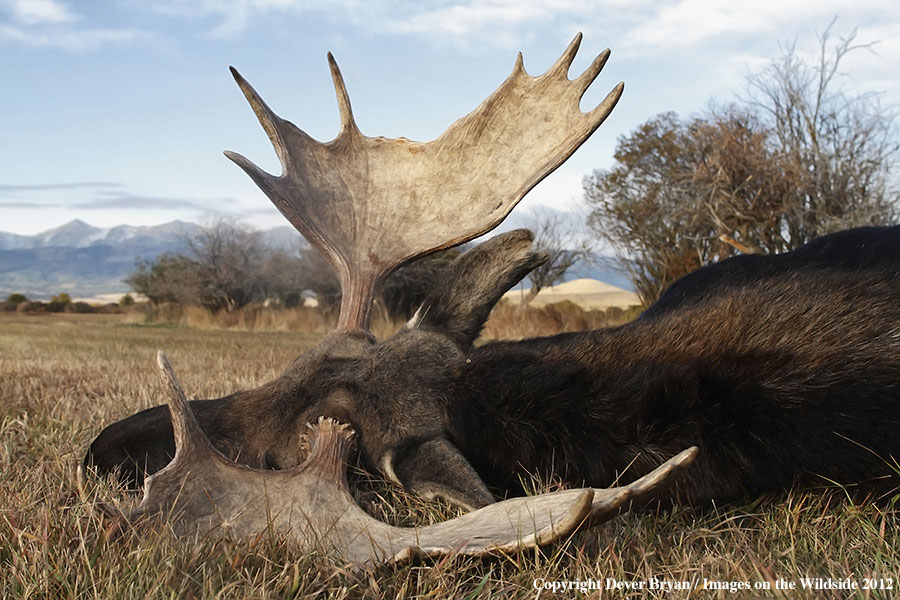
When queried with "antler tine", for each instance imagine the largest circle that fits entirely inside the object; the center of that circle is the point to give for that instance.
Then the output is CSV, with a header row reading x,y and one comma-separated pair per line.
x,y
608,502
343,99
590,74
561,67
189,438
602,110
267,118
519,66
372,204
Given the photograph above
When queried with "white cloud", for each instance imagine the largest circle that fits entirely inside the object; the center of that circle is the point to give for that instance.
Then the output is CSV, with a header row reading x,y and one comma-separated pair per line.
x,y
561,190
646,25
51,24
476,16
31,12
499,22
505,23
77,40
693,22
234,16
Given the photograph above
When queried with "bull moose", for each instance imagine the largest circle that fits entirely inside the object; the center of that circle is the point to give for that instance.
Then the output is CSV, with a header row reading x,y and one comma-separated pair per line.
x,y
777,368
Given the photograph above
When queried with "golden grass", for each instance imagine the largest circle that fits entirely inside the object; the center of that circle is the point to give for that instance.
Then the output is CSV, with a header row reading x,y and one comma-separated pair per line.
x,y
507,321
511,322
64,377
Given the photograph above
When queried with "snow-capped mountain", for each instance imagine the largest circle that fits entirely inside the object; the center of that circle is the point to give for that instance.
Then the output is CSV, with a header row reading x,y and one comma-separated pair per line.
x,y
78,234
83,260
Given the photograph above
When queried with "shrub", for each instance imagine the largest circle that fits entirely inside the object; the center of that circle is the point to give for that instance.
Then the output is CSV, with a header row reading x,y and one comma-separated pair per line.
x,y
12,302
29,306
59,302
108,309
78,307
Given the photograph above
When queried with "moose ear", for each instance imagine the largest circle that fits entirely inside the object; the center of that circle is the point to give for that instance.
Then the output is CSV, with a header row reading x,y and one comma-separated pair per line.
x,y
461,301
435,468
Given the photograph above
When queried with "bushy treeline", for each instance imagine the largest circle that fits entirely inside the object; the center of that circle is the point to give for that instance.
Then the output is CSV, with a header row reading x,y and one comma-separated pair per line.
x,y
227,267
62,303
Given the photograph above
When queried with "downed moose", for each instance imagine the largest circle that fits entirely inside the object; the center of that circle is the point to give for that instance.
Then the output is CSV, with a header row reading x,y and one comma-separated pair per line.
x,y
778,368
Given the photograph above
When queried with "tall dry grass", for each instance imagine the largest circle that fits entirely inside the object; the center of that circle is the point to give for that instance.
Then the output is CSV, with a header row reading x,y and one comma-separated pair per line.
x,y
513,322
507,321
64,377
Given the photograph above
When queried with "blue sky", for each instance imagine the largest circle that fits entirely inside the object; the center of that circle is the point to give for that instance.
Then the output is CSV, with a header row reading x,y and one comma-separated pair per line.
x,y
118,111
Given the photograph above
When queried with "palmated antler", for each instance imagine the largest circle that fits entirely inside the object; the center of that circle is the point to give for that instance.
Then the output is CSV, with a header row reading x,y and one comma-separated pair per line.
x,y
372,204
203,493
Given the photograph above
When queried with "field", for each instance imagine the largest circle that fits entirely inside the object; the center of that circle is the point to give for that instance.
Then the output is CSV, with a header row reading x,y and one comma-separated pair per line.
x,y
64,377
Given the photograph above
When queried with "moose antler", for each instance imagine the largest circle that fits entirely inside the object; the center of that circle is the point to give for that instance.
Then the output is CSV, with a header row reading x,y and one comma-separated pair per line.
x,y
201,492
372,204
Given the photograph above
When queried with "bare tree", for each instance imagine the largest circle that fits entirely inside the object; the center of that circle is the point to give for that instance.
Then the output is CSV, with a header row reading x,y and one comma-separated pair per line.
x,y
228,266
563,245
838,147
317,276
168,278
800,159
405,289
225,267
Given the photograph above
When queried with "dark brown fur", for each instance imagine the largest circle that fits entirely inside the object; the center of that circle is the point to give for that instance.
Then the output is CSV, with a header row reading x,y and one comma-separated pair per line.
x,y
780,368
777,367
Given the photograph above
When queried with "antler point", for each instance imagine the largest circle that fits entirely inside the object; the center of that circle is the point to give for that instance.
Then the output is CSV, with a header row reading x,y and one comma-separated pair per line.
x,y
237,77
343,98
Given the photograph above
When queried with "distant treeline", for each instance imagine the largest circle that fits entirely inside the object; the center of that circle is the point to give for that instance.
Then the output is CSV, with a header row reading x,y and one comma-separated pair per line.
x,y
62,303
228,267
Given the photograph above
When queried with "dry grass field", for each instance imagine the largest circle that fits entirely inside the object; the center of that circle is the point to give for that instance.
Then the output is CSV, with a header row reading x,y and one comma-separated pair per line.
x,y
64,377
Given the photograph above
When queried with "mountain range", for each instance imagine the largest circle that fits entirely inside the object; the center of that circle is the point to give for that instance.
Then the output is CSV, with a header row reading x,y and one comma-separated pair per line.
x,y
85,261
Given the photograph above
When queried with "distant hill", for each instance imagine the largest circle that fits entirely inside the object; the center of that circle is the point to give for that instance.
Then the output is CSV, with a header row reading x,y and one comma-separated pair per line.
x,y
78,234
607,269
587,293
601,267
83,260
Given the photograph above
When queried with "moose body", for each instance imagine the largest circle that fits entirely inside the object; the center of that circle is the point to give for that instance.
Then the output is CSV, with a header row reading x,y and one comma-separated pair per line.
x,y
779,368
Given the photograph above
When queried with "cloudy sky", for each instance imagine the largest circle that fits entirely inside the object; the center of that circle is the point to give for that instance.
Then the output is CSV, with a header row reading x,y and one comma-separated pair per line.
x,y
117,111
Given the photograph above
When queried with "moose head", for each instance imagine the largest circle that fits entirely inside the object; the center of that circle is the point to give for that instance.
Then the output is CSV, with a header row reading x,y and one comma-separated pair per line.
x,y
371,205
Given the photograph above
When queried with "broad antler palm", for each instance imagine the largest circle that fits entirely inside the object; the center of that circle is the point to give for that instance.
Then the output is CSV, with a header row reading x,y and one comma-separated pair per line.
x,y
372,204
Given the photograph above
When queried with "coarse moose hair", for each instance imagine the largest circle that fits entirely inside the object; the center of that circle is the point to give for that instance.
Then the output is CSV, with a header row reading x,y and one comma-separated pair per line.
x,y
781,369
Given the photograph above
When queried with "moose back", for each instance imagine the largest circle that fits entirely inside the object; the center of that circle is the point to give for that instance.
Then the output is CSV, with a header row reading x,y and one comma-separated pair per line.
x,y
781,369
